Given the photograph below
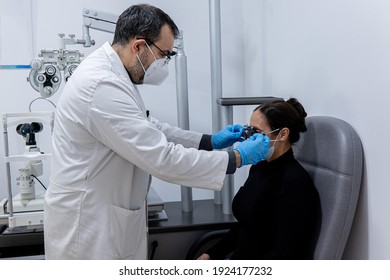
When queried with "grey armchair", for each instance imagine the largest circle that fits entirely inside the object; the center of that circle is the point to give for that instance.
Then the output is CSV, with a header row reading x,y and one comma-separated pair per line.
x,y
332,153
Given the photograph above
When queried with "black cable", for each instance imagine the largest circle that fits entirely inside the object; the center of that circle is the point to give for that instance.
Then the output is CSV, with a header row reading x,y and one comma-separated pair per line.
x,y
154,248
39,181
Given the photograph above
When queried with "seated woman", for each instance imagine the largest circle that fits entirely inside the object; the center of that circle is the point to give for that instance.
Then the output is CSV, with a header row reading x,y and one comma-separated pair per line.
x,y
277,209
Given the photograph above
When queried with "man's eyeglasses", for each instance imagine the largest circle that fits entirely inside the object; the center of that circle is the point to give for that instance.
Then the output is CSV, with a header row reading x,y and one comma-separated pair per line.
x,y
168,55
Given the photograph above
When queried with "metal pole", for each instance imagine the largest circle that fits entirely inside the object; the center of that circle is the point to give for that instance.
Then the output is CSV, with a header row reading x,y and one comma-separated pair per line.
x,y
182,108
228,184
10,208
216,70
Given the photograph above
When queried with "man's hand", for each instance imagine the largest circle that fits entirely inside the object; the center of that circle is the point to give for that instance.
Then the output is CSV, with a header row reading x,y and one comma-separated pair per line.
x,y
227,136
253,150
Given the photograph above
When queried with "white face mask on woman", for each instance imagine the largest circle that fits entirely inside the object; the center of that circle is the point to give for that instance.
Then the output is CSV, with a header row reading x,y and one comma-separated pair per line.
x,y
157,71
271,149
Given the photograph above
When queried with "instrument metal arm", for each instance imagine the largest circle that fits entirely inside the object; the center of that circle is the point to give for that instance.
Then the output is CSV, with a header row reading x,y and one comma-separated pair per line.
x,y
99,20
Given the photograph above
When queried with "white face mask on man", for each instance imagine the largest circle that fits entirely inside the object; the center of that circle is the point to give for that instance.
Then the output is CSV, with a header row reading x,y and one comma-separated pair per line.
x,y
157,71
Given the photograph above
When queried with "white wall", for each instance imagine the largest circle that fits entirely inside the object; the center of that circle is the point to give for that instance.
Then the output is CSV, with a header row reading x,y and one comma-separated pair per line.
x,y
334,57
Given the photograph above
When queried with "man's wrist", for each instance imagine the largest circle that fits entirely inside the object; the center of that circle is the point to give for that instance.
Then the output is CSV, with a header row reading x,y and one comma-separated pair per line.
x,y
205,143
238,158
232,164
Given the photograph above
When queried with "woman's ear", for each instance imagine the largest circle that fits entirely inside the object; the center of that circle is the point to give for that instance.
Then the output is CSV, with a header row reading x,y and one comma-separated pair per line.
x,y
284,133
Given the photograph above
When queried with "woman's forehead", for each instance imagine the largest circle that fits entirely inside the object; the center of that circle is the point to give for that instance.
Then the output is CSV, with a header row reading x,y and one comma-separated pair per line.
x,y
259,121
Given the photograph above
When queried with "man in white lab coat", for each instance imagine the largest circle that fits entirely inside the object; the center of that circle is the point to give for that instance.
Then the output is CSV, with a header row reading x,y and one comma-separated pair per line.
x,y
106,146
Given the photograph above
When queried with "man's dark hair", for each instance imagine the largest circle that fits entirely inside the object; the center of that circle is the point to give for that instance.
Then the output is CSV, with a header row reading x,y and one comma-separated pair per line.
x,y
142,21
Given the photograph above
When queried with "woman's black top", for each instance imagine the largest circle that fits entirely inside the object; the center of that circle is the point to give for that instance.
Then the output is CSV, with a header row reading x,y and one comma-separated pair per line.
x,y
277,212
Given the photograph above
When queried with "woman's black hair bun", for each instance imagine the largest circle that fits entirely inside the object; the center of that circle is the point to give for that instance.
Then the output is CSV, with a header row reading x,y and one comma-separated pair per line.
x,y
301,112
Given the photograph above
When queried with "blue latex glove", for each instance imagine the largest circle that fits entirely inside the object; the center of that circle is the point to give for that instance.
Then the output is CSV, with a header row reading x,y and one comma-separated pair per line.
x,y
254,149
227,136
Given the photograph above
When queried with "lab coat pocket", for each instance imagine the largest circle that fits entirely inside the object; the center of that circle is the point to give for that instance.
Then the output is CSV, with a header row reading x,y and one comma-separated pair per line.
x,y
127,230
62,210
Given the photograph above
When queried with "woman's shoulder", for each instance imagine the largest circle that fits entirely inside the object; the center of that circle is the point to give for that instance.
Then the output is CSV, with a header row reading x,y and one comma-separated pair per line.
x,y
295,173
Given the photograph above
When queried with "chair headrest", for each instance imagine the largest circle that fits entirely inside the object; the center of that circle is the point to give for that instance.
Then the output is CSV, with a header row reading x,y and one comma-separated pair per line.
x,y
328,143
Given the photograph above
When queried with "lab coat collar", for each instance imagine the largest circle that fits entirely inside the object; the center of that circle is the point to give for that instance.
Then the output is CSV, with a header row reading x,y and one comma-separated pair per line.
x,y
117,64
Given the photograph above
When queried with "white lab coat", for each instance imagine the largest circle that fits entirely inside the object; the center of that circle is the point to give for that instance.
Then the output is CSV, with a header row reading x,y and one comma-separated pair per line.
x,y
104,150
